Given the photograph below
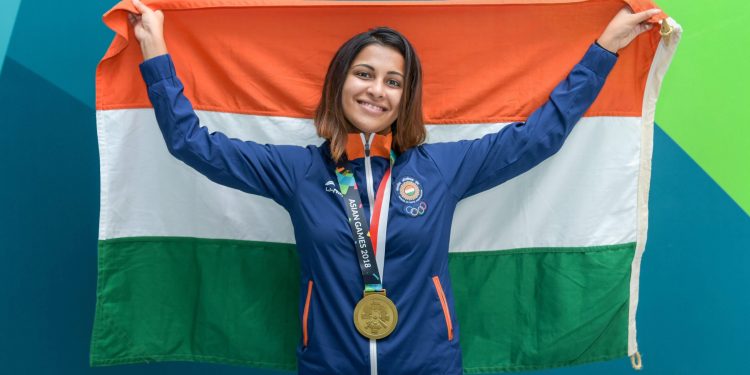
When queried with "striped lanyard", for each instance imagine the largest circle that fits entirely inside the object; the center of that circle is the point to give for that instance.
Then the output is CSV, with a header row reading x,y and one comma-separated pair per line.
x,y
365,240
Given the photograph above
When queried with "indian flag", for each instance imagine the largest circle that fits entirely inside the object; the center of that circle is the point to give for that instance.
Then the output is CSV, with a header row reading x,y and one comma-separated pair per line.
x,y
545,267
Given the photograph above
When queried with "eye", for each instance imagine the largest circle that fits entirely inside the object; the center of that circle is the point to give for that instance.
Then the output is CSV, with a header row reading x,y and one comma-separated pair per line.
x,y
394,83
362,74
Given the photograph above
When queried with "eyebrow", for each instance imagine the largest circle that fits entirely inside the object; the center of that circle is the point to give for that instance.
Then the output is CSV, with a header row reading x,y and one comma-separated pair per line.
x,y
391,72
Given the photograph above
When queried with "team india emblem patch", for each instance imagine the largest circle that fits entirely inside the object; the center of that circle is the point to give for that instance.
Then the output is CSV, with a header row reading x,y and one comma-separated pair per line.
x,y
409,190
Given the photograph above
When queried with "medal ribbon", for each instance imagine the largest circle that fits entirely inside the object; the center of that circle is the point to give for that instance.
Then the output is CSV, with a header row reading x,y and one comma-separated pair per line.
x,y
364,240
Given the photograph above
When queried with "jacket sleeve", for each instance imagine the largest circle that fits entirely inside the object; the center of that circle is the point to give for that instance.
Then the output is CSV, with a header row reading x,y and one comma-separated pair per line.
x,y
266,170
472,166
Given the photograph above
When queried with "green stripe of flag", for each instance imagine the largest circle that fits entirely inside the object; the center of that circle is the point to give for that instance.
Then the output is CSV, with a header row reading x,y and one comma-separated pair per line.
x,y
222,301
225,301
539,308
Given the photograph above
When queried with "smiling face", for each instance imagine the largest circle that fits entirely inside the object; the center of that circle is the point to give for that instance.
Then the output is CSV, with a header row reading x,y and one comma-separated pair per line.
x,y
373,82
373,88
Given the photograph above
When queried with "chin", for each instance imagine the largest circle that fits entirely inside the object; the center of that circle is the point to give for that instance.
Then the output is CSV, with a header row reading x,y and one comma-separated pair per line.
x,y
385,130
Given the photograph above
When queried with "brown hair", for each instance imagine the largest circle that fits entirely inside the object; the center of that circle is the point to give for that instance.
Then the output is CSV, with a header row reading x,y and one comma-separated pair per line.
x,y
408,130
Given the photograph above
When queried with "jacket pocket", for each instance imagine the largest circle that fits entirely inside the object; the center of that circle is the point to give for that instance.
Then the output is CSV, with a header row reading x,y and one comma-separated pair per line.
x,y
444,303
306,312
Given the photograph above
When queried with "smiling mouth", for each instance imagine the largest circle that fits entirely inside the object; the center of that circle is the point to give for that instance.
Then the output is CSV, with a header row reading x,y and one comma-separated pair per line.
x,y
371,107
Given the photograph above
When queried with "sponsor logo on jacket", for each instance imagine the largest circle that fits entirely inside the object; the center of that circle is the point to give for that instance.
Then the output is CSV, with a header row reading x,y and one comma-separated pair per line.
x,y
331,188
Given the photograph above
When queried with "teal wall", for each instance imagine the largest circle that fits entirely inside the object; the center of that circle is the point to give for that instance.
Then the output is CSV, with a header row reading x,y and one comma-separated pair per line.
x,y
693,314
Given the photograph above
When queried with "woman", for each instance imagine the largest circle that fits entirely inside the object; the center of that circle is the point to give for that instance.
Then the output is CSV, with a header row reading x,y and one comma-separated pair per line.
x,y
374,166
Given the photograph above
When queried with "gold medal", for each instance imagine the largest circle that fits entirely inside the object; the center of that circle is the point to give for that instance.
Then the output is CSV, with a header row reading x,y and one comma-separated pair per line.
x,y
375,315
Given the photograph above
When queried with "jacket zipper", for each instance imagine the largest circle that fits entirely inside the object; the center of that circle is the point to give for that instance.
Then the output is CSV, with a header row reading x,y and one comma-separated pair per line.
x,y
306,313
368,170
370,198
444,303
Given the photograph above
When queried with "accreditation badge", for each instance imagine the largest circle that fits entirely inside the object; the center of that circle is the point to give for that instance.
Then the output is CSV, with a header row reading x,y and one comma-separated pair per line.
x,y
375,315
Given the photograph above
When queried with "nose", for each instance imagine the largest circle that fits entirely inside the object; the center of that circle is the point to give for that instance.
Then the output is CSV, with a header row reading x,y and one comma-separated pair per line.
x,y
376,89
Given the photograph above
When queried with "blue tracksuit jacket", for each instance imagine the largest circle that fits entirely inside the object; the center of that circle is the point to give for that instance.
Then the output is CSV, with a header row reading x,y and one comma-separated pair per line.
x,y
415,271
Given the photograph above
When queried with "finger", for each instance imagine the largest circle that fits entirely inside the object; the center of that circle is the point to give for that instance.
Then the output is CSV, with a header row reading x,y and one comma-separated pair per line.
x,y
133,18
642,28
646,14
141,7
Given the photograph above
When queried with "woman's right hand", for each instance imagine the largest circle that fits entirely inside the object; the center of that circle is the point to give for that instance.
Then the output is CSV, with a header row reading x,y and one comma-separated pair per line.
x,y
149,30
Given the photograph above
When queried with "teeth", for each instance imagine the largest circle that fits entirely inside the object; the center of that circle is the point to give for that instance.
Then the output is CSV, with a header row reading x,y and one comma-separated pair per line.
x,y
381,109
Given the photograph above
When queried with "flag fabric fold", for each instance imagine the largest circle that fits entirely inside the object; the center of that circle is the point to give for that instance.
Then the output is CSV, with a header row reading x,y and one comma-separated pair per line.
x,y
545,267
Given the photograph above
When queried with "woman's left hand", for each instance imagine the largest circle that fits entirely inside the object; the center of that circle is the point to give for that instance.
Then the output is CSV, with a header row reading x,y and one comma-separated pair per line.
x,y
624,27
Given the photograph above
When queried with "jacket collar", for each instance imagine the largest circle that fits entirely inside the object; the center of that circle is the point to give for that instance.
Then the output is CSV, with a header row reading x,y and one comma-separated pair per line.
x,y
380,145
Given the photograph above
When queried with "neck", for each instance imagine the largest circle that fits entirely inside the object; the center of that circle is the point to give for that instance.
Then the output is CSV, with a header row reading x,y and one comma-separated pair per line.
x,y
367,135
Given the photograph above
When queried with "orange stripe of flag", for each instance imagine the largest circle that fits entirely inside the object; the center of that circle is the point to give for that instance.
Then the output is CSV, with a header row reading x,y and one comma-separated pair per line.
x,y
482,62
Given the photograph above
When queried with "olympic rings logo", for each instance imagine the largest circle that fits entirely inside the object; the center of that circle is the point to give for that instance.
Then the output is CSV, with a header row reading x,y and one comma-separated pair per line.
x,y
418,210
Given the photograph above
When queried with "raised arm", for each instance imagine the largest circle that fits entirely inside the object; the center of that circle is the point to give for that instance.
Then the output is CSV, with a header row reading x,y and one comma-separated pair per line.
x,y
470,167
266,170
148,27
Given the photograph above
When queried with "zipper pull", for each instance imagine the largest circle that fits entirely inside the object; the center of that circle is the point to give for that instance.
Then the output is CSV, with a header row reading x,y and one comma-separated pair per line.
x,y
367,146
